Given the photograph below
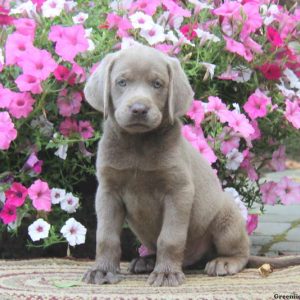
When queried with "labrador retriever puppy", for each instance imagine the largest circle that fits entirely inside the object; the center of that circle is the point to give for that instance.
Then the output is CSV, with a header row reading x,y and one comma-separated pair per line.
x,y
151,176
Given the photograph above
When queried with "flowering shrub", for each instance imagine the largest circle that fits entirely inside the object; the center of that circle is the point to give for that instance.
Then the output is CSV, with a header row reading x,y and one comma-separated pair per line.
x,y
242,59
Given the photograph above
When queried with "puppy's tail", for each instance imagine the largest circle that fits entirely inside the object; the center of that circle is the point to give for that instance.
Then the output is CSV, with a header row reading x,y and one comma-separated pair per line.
x,y
275,262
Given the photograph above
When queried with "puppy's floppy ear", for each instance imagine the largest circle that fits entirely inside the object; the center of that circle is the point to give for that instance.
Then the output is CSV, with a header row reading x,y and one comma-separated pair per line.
x,y
180,92
97,88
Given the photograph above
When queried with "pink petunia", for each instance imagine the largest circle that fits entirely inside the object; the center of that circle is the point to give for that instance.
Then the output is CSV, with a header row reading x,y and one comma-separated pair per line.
x,y
252,222
274,37
8,213
148,7
238,48
69,41
68,127
292,112
288,191
196,112
247,165
16,194
270,71
175,10
38,63
7,130
278,159
69,103
85,129
240,124
33,163
6,96
192,133
257,133
227,9
25,27
253,18
21,105
269,192
61,73
229,140
202,146
29,83
257,105
40,195
216,105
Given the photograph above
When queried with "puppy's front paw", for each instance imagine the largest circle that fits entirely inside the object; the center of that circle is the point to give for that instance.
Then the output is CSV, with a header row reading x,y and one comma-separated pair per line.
x,y
225,266
142,265
96,275
167,278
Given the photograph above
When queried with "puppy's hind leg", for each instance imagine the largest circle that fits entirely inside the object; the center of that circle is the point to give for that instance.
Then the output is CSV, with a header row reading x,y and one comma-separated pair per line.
x,y
231,241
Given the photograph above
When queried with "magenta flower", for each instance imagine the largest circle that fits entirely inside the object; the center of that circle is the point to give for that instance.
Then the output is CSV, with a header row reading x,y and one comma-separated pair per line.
x,y
257,105
62,73
29,83
274,37
196,112
239,123
40,195
16,194
68,127
21,105
38,63
252,222
269,192
69,41
85,129
288,191
25,27
292,112
278,159
7,130
8,213
69,103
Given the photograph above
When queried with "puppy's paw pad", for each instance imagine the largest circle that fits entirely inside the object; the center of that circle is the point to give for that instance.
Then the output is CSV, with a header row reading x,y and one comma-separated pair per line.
x,y
142,265
166,278
97,276
224,266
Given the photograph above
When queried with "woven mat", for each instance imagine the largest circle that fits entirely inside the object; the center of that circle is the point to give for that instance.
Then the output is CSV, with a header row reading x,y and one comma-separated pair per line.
x,y
57,279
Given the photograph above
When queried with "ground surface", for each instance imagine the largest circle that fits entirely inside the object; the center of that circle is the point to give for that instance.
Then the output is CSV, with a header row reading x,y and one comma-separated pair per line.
x,y
57,279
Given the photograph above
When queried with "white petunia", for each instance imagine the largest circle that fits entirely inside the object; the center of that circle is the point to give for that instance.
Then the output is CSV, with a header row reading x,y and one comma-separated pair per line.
x,y
234,159
52,8
62,151
169,21
244,74
237,199
206,36
69,5
153,35
268,13
201,4
2,197
128,42
210,70
26,8
74,232
236,107
80,18
170,36
286,92
293,78
88,33
120,4
1,57
69,203
141,20
38,230
57,195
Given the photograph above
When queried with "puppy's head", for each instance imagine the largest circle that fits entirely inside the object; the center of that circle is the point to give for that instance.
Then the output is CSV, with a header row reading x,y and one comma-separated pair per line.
x,y
139,87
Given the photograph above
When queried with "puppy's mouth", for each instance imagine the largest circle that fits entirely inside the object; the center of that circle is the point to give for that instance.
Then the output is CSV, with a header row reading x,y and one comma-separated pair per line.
x,y
137,127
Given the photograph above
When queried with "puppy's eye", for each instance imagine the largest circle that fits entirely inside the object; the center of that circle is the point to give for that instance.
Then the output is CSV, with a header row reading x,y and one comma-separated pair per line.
x,y
122,82
156,84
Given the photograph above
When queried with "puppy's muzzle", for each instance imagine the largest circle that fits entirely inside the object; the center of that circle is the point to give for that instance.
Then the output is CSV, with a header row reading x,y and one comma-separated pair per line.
x,y
139,110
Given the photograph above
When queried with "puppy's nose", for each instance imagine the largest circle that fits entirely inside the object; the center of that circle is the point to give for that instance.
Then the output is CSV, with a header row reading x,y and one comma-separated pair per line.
x,y
139,109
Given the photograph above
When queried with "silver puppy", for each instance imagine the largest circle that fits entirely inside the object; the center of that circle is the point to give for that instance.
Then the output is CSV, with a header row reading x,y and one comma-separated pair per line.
x,y
150,175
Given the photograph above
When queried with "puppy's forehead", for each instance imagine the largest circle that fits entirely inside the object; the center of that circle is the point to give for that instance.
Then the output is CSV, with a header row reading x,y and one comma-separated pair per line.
x,y
141,61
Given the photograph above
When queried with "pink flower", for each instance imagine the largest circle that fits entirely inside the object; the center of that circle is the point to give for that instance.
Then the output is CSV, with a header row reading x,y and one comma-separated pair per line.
x,y
5,19
62,73
269,192
6,97
253,19
288,191
78,74
229,140
148,7
228,9
8,213
257,134
21,105
120,23
25,27
176,10
29,83
68,127
202,146
33,163
7,130
239,123
143,251
216,105
15,47
85,129
192,133
16,194
69,41
238,48
69,103
292,112
40,195
38,63
252,222
196,112
274,37
246,165
229,74
278,159
270,71
188,30
257,105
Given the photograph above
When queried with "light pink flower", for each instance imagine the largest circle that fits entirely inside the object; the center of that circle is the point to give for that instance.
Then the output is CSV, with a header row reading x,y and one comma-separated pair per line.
x,y
202,146
38,63
85,129
229,140
229,74
69,103
8,213
278,159
26,27
196,112
238,48
16,194
68,127
121,23
33,163
69,41
247,165
216,105
257,105
288,191
269,192
251,223
227,9
239,123
7,130
253,19
192,133
257,134
148,7
6,96
29,83
292,112
21,105
40,195
175,10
